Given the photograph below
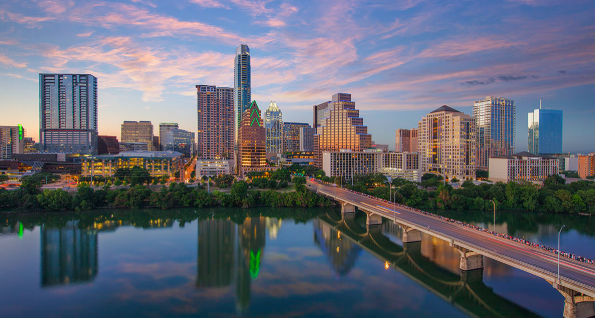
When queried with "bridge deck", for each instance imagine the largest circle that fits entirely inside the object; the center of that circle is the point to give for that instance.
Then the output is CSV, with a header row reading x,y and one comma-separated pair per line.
x,y
574,275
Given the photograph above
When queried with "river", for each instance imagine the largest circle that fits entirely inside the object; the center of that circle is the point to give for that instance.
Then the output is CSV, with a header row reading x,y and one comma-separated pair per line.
x,y
261,262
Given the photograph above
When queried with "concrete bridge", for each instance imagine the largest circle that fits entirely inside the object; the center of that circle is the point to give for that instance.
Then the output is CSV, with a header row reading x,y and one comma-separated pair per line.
x,y
465,291
577,279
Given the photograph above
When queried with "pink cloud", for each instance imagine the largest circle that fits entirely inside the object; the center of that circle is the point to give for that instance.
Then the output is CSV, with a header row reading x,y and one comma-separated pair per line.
x,y
209,4
10,62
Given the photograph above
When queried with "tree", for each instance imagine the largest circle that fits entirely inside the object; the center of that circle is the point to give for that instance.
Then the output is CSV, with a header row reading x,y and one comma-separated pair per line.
x,y
239,189
481,174
320,173
553,181
454,180
282,174
3,178
224,181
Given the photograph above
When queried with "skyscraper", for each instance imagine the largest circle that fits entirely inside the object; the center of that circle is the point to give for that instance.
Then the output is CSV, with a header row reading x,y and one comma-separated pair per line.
x,y
340,128
138,132
307,138
447,143
179,140
291,136
406,140
545,131
495,120
163,129
242,83
273,122
251,139
318,113
12,140
68,113
216,131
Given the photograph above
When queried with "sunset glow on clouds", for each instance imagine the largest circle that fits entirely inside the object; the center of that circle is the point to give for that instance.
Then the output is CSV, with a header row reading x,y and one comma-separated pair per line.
x,y
399,59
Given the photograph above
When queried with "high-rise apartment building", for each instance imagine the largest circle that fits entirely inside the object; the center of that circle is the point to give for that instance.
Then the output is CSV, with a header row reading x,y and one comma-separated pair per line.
x,y
108,145
68,113
163,129
137,132
251,139
495,120
11,141
447,143
291,136
545,131
307,138
273,122
216,123
340,128
586,165
406,140
242,83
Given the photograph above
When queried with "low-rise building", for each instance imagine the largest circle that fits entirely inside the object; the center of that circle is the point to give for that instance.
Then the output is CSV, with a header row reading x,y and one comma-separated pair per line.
x,y
302,158
212,167
133,146
347,163
522,166
158,163
586,165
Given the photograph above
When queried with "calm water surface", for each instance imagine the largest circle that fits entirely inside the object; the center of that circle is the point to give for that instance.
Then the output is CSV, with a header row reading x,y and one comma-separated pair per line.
x,y
263,262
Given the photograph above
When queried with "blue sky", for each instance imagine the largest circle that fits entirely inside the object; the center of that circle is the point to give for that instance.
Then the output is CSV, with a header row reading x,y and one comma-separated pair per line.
x,y
398,59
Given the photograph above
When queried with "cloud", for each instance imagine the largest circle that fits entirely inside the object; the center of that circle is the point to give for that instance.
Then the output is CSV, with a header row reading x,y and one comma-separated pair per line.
x,y
210,4
145,2
476,82
86,34
255,7
10,62
562,71
274,23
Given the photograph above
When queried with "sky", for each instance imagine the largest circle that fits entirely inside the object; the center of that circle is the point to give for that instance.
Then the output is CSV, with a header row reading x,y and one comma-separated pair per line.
x,y
398,59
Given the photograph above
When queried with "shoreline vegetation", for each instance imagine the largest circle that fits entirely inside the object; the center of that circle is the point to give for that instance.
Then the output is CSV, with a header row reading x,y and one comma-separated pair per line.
x,y
431,194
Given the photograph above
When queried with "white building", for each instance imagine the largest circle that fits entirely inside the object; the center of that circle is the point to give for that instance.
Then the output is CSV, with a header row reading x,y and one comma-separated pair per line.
x,y
347,163
522,166
212,167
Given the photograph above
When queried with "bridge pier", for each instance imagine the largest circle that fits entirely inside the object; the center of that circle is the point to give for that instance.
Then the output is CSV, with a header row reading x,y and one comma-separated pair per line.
x,y
373,219
411,235
576,305
347,208
470,260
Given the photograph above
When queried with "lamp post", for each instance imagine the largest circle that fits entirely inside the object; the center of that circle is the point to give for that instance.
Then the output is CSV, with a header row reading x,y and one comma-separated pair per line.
x,y
559,253
494,214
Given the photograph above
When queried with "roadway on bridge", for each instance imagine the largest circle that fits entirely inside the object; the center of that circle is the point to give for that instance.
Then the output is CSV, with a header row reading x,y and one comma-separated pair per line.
x,y
486,244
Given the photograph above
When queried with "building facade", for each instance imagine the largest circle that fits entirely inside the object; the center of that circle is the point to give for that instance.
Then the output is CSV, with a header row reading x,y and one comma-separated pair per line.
x,y
179,140
68,113
318,111
216,123
404,165
29,145
291,136
348,163
522,166
446,139
212,167
242,84
340,128
307,138
586,165
136,132
495,121
273,122
12,140
251,139
406,140
133,146
108,145
163,129
545,131
158,163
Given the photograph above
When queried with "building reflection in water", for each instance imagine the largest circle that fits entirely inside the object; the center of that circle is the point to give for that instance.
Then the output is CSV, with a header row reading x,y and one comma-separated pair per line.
x,y
225,249
68,255
273,227
341,253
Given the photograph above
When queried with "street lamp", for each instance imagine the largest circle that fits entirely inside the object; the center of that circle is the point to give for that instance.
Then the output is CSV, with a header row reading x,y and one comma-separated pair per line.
x,y
559,253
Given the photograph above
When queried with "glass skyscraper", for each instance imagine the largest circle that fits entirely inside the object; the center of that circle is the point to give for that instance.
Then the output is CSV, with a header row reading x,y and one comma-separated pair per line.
x,y
495,119
68,113
242,86
273,122
545,131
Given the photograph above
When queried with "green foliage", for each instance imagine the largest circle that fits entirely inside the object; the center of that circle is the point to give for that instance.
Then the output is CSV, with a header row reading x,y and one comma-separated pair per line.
x,y
430,180
224,181
239,189
3,178
282,174
481,174
54,200
319,173
570,174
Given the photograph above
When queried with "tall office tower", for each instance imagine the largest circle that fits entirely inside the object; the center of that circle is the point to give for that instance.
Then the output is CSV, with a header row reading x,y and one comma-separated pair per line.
x,y
251,139
447,143
307,138
141,131
406,140
11,141
273,122
216,123
179,140
291,136
495,120
163,129
545,131
68,113
108,145
242,83
318,113
340,128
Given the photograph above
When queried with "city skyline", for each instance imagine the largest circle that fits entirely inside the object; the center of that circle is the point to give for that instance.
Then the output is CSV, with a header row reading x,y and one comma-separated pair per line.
x,y
384,61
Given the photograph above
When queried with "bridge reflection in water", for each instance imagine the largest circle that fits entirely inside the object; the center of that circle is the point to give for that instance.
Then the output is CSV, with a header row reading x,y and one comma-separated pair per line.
x,y
342,237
